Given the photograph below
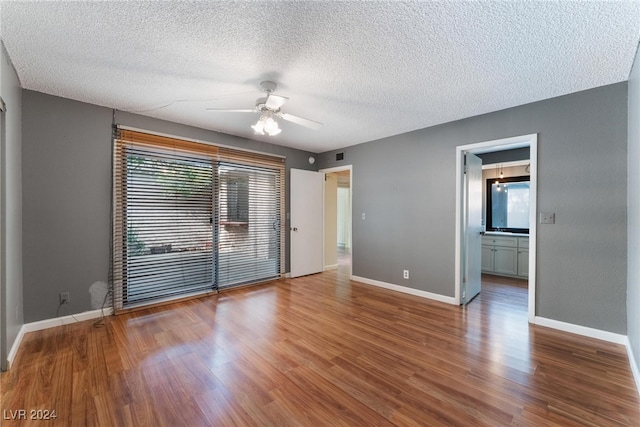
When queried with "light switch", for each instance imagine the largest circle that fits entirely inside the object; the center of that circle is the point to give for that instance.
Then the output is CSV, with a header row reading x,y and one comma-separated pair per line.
x,y
547,218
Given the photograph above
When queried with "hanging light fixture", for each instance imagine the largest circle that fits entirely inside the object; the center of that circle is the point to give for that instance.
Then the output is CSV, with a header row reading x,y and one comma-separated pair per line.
x,y
266,123
258,128
501,174
497,183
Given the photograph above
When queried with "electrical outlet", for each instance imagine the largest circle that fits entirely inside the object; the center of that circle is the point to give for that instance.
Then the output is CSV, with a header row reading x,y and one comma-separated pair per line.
x,y
547,218
364,215
405,274
64,298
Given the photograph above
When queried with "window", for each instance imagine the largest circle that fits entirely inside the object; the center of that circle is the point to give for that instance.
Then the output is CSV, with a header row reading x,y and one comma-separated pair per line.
x,y
190,218
235,185
508,204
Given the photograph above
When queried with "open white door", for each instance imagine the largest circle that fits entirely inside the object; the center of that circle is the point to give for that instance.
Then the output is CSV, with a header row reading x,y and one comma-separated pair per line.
x,y
472,233
307,223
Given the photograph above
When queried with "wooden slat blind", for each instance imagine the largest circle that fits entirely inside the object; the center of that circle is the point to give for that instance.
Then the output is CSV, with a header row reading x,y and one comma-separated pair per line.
x,y
135,138
191,217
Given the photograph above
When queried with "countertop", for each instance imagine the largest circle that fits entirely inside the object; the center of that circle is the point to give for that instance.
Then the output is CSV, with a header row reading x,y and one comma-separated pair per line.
x,y
505,233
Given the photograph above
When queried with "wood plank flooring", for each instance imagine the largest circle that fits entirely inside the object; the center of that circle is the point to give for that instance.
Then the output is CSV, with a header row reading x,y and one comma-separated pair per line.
x,y
322,350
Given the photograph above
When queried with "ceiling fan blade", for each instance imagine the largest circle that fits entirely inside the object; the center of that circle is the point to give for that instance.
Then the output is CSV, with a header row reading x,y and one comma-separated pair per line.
x,y
222,110
274,102
301,121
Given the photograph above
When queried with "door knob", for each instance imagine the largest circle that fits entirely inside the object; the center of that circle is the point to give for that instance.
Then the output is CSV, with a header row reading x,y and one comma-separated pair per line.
x,y
295,228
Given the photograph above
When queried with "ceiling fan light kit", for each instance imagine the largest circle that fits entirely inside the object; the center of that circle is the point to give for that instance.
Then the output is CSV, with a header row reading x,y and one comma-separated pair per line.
x,y
267,124
269,109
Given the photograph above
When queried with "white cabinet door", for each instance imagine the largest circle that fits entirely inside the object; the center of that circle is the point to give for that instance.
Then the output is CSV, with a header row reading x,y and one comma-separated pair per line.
x,y
506,260
506,256
487,258
523,262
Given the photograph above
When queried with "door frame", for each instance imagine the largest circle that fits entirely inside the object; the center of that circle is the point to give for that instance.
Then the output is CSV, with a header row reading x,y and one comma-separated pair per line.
x,y
530,141
325,172
4,352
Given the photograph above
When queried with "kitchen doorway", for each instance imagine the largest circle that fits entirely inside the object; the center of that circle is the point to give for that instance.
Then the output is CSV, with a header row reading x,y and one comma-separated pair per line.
x,y
464,251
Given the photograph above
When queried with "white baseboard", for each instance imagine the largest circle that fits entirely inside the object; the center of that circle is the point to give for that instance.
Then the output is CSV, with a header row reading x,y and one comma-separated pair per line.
x,y
406,290
330,267
581,330
14,348
634,365
52,323
66,320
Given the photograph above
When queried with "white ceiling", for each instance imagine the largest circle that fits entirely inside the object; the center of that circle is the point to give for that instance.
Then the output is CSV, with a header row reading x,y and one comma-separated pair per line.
x,y
366,70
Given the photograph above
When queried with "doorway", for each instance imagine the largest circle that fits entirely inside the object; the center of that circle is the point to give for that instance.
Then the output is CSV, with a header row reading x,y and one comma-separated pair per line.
x,y
464,251
338,219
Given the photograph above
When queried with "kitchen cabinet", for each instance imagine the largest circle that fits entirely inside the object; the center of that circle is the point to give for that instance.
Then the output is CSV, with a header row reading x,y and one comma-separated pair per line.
x,y
506,261
523,256
505,255
488,258
523,262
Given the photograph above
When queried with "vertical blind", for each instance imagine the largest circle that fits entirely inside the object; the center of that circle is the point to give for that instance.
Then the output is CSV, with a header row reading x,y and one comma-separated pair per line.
x,y
189,218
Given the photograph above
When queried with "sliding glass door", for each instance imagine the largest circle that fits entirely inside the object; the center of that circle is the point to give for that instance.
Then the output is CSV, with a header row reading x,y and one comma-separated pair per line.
x,y
169,233
191,218
248,220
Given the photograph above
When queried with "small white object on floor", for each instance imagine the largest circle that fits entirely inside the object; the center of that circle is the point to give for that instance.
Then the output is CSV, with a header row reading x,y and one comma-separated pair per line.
x,y
98,292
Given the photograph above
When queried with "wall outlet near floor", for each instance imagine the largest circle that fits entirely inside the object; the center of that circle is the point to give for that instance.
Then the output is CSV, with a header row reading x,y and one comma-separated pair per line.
x,y
64,298
405,274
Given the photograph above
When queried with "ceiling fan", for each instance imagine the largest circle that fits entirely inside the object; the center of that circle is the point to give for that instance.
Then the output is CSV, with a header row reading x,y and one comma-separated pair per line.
x,y
269,109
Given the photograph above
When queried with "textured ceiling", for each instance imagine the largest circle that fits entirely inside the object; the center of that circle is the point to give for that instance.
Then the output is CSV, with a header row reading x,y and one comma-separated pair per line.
x,y
366,70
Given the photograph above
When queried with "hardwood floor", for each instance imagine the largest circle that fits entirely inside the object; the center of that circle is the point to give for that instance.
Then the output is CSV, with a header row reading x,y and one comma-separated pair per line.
x,y
321,350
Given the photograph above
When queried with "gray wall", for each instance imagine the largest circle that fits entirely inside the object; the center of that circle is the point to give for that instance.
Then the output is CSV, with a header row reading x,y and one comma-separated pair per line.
x,y
66,194
406,186
10,209
633,214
